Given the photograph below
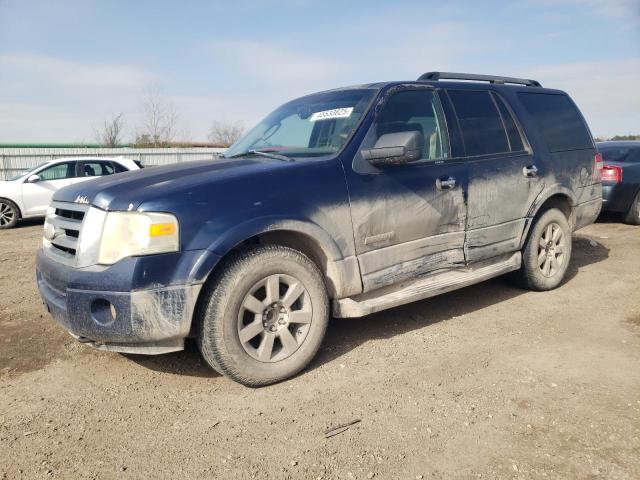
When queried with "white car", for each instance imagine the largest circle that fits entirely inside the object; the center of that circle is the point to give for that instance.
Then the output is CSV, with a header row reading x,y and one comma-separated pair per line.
x,y
28,194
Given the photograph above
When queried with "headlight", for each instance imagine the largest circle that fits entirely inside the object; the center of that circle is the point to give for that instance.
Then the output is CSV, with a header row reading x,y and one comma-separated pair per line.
x,y
127,234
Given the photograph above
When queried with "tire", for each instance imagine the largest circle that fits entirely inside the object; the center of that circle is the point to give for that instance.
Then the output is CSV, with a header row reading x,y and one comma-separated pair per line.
x,y
263,315
9,214
632,217
547,252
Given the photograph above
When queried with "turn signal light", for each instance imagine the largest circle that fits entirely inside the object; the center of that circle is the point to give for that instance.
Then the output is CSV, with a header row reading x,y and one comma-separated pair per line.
x,y
161,229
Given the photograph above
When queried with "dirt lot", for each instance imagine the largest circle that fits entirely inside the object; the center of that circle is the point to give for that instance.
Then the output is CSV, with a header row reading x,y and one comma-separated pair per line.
x,y
490,381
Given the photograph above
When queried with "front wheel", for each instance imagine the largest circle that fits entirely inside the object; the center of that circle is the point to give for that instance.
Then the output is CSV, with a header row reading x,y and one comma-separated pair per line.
x,y
263,316
547,252
8,214
632,217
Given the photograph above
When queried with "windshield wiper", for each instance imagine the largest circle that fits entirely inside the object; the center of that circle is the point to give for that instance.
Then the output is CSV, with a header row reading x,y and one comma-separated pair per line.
x,y
263,153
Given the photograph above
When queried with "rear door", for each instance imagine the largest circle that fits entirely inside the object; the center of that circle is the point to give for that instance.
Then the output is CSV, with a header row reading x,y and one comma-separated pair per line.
x,y
504,176
408,219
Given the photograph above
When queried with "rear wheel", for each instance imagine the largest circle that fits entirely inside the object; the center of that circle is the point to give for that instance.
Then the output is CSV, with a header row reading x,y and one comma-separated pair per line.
x,y
263,316
8,214
547,252
632,217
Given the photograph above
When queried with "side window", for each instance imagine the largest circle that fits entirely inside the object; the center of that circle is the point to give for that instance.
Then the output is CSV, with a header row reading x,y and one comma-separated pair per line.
x,y
119,168
557,120
482,129
59,171
415,110
96,169
515,140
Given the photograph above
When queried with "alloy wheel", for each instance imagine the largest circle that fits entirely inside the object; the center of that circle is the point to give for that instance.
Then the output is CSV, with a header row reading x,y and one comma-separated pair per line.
x,y
274,318
551,250
7,214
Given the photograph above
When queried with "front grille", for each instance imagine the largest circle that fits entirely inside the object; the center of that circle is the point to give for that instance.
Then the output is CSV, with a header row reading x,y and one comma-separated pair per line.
x,y
65,222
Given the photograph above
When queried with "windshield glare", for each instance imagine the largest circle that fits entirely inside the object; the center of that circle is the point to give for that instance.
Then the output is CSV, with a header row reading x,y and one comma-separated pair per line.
x,y
314,125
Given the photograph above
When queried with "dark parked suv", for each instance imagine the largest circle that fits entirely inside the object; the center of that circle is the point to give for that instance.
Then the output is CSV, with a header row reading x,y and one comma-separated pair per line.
x,y
345,202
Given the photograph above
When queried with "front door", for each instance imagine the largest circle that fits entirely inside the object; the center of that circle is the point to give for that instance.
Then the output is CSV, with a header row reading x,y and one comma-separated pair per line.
x,y
504,178
36,196
408,219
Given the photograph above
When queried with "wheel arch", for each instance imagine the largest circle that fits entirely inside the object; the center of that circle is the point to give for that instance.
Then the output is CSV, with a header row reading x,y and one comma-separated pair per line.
x,y
558,197
15,203
341,273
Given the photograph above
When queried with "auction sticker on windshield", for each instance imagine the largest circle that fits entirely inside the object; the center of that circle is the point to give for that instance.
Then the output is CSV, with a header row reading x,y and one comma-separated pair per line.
x,y
330,114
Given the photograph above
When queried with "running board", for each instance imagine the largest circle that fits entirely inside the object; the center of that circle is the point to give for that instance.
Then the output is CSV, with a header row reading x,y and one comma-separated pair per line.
x,y
425,287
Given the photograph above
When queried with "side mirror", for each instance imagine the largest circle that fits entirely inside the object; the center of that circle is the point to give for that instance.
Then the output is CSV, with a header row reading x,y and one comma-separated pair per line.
x,y
34,179
395,149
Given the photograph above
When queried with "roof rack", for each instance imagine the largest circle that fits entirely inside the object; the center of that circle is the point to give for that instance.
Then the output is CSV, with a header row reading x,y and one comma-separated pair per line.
x,y
478,78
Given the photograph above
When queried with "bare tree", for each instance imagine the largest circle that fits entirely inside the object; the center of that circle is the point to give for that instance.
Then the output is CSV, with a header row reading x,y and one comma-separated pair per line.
x,y
159,121
110,134
225,134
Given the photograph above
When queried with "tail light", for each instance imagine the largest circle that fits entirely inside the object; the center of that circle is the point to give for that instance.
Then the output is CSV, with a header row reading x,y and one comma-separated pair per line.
x,y
597,167
611,174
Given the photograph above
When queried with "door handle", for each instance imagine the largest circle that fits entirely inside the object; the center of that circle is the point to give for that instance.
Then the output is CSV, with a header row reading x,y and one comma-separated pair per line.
x,y
530,171
445,183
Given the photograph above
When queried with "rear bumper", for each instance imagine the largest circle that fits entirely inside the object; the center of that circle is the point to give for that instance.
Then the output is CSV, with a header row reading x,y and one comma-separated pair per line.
x,y
586,213
151,321
618,197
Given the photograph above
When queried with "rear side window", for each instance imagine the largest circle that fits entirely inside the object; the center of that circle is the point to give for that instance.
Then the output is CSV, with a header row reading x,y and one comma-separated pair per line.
x,y
515,140
482,129
96,169
119,168
558,121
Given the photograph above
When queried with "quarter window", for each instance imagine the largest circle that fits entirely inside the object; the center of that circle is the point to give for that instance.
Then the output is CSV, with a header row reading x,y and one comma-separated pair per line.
x,y
482,130
415,111
557,120
58,171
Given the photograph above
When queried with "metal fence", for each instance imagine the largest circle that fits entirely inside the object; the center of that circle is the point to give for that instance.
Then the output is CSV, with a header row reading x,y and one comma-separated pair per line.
x,y
16,160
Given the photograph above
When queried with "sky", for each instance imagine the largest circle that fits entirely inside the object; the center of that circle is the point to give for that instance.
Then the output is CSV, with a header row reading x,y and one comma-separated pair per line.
x,y
66,66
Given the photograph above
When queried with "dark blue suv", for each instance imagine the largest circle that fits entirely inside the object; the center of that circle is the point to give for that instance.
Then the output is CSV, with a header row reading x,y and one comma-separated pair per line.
x,y
342,203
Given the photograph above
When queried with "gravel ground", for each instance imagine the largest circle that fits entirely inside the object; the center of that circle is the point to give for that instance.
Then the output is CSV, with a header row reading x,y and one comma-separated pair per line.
x,y
489,381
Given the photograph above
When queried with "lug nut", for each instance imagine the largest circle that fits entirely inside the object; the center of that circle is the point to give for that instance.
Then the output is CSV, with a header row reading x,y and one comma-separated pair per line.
x,y
272,328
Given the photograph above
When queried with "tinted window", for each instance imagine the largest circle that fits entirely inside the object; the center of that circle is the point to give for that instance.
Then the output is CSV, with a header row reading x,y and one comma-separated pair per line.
x,y
481,126
119,168
620,154
59,171
558,121
415,111
515,140
96,169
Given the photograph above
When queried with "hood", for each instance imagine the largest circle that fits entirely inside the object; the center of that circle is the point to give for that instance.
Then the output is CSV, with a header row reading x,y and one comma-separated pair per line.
x,y
126,191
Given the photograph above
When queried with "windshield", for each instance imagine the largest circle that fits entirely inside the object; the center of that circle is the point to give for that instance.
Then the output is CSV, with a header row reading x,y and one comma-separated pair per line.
x,y
314,125
620,154
26,172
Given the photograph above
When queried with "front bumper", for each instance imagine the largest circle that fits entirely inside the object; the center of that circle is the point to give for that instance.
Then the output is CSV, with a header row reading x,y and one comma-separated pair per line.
x,y
150,320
